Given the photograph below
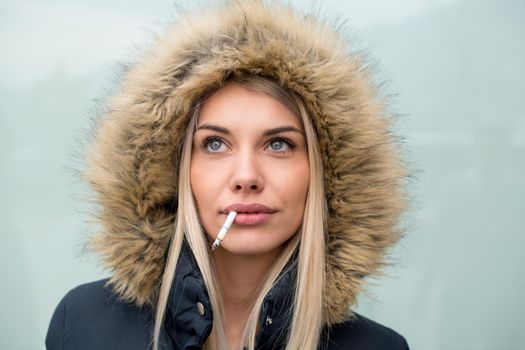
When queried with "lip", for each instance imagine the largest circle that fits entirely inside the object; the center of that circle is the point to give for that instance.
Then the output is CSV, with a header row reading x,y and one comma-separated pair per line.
x,y
251,208
250,214
251,219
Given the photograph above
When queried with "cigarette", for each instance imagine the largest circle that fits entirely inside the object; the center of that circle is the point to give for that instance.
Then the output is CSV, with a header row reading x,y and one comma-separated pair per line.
x,y
224,229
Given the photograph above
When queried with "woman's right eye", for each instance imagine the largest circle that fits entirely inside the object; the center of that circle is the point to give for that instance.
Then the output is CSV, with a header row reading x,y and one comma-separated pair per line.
x,y
212,144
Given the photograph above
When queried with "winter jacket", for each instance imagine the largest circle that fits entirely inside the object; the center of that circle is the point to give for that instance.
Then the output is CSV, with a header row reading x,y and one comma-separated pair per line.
x,y
132,162
91,317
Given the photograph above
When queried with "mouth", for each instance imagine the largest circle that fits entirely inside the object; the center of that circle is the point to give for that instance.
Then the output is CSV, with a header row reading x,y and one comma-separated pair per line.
x,y
252,208
245,219
250,214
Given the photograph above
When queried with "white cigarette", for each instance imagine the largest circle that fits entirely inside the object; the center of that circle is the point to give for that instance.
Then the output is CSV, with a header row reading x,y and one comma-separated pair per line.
x,y
224,229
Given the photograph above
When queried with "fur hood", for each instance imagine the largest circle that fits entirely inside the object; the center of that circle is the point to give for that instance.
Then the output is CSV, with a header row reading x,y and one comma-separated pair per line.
x,y
132,161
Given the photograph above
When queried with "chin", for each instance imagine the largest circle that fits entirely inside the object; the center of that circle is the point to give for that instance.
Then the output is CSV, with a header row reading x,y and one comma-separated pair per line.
x,y
250,245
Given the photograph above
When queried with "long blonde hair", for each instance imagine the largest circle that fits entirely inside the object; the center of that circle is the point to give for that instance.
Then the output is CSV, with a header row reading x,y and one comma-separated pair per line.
x,y
307,319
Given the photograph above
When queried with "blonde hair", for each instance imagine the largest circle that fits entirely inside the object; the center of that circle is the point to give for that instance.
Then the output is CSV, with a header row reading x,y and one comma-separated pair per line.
x,y
307,321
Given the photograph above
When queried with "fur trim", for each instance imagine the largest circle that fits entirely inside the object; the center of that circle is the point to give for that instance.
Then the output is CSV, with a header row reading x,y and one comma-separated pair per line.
x,y
132,162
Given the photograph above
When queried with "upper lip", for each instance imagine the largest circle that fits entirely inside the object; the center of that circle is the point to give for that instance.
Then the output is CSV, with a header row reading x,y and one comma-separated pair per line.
x,y
248,208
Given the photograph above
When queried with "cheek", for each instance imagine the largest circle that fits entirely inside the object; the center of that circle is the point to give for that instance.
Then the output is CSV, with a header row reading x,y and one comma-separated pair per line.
x,y
293,184
207,183
201,182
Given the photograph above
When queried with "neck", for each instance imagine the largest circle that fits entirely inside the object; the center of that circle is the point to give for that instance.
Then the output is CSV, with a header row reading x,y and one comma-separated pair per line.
x,y
239,278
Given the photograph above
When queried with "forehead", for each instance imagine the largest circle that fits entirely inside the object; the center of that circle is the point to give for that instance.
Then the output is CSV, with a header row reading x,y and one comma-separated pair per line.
x,y
236,106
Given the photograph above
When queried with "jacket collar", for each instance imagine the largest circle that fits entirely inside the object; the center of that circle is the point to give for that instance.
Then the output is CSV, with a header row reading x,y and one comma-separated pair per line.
x,y
189,317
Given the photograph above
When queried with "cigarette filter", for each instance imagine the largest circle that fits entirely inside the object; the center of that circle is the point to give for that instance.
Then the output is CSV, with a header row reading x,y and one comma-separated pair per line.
x,y
224,229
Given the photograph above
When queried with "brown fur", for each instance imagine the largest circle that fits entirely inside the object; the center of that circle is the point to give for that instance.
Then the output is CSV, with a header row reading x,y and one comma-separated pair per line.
x,y
133,159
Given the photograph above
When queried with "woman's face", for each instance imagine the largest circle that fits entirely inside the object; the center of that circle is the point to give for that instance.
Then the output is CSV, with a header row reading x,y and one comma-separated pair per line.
x,y
249,149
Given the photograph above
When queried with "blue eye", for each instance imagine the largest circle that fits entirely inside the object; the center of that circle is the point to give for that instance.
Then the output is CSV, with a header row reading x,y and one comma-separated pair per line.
x,y
212,144
281,145
277,145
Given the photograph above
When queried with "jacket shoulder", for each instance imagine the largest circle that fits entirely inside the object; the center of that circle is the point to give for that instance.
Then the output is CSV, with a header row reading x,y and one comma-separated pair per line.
x,y
90,316
363,333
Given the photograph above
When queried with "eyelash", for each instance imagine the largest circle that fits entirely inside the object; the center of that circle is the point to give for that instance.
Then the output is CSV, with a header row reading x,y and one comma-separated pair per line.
x,y
208,139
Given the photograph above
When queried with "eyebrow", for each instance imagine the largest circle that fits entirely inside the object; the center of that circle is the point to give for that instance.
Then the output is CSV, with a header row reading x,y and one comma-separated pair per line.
x,y
266,132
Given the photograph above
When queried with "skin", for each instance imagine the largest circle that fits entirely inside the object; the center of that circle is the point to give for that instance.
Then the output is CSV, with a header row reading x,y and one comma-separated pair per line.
x,y
243,165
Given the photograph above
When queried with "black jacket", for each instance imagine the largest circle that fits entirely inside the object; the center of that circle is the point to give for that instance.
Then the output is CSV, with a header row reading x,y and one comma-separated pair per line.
x,y
91,317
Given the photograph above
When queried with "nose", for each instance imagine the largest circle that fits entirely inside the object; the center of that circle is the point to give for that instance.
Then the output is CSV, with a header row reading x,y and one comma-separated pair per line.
x,y
247,173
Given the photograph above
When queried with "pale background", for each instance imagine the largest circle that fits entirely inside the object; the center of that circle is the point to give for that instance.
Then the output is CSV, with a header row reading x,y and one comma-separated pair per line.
x,y
457,69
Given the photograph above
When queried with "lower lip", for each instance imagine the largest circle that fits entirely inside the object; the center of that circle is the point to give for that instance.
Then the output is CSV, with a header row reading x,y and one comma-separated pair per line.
x,y
251,219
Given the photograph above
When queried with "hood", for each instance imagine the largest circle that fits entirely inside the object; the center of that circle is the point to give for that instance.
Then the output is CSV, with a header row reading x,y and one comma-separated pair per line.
x,y
131,163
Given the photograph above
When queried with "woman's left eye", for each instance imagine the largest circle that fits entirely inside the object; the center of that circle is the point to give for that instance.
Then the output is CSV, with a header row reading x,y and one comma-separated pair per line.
x,y
281,145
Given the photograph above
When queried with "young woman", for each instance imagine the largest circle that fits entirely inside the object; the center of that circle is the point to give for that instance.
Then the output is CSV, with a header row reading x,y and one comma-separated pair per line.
x,y
254,109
